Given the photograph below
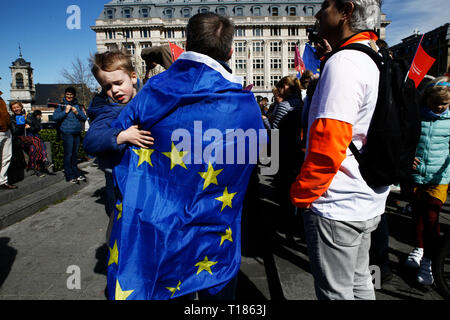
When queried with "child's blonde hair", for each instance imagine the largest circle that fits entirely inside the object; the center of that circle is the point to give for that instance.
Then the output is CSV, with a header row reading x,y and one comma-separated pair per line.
x,y
437,91
112,61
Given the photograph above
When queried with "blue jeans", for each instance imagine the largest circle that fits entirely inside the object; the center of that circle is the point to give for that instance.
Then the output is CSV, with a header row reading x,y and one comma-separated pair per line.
x,y
71,144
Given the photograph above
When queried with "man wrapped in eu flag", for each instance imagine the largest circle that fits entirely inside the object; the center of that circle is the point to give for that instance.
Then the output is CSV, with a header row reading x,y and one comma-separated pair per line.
x,y
178,220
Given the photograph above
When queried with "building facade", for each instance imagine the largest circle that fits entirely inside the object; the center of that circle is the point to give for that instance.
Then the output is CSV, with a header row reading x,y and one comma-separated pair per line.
x,y
266,32
435,42
22,86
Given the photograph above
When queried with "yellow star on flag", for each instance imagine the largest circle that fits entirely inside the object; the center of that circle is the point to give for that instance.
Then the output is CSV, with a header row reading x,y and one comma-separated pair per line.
x,y
144,156
120,294
113,255
205,265
119,208
210,176
226,236
176,157
226,199
174,290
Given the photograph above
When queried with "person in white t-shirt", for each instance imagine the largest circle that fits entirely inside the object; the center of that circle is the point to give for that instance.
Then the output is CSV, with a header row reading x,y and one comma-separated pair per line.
x,y
341,209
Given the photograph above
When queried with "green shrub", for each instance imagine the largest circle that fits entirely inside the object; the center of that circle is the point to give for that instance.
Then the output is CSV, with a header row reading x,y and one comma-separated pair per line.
x,y
50,135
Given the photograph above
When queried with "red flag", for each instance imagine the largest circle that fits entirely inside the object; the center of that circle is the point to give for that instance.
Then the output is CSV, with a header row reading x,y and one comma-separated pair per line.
x,y
175,50
422,62
299,64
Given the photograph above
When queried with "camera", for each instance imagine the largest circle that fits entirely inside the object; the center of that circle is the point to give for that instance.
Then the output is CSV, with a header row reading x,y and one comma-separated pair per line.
x,y
313,35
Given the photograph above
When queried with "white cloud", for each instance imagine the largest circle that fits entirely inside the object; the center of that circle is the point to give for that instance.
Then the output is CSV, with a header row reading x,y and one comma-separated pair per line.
x,y
414,14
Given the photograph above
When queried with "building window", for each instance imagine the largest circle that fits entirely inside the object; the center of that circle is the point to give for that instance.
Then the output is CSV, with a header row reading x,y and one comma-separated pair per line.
x,y
145,33
274,11
241,64
169,34
274,79
127,13
239,11
258,47
111,46
128,34
256,11
291,63
130,48
168,13
144,13
221,11
275,47
293,31
275,31
186,12
203,10
309,11
292,11
258,81
239,32
19,81
258,64
257,32
109,14
240,47
146,45
291,46
110,35
275,63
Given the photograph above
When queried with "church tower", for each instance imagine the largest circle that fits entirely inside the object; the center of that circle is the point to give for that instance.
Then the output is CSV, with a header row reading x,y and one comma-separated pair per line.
x,y
22,86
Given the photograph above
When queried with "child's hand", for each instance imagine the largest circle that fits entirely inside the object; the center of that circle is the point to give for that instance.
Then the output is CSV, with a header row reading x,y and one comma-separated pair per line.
x,y
68,108
416,163
135,136
74,110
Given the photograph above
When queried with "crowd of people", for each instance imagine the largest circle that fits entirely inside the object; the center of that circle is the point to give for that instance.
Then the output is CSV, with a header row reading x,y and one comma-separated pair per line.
x,y
167,213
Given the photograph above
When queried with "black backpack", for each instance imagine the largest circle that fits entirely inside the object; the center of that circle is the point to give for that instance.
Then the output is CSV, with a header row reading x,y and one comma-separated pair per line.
x,y
388,154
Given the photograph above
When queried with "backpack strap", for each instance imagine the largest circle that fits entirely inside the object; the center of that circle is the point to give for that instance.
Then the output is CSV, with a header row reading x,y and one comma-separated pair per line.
x,y
375,56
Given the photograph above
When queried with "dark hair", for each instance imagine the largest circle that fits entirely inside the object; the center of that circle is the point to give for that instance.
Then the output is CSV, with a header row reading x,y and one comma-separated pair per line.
x,y
210,34
71,90
37,113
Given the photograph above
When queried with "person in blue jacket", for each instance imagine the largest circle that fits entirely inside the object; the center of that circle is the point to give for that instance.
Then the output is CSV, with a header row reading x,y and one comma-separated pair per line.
x,y
115,73
70,115
431,176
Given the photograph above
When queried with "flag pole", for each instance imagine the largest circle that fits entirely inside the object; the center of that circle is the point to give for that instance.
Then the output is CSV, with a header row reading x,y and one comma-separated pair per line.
x,y
417,49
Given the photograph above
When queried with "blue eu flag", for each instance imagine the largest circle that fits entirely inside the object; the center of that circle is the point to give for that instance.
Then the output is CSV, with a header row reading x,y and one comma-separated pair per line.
x,y
310,59
178,220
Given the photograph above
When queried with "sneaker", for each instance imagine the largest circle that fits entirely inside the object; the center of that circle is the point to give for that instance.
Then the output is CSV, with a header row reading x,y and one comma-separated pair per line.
x,y
414,258
81,178
48,165
73,181
425,275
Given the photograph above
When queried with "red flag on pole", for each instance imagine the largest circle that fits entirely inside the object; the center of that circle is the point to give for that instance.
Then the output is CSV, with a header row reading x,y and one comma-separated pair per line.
x,y
175,50
420,65
299,64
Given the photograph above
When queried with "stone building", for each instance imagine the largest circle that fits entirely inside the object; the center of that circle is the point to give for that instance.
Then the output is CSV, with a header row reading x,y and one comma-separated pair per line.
x,y
435,42
265,36
22,86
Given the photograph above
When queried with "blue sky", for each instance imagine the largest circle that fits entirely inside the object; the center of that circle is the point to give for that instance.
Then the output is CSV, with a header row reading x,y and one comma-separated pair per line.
x,y
40,28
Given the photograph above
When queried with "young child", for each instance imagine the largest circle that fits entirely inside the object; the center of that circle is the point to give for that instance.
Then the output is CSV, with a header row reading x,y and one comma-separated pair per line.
x,y
431,175
115,74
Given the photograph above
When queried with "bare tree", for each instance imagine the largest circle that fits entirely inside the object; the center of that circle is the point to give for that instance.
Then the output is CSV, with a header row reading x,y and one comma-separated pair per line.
x,y
79,75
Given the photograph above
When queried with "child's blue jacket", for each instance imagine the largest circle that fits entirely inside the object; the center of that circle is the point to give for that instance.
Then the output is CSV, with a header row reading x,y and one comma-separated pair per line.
x,y
101,138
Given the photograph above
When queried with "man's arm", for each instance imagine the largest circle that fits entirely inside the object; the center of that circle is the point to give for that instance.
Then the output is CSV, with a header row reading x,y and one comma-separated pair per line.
x,y
327,148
